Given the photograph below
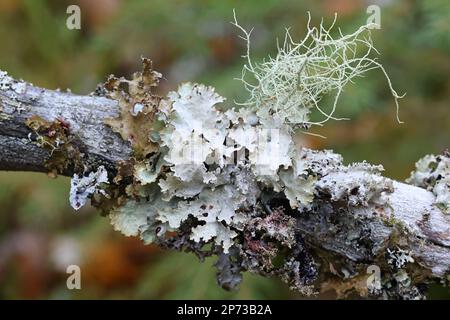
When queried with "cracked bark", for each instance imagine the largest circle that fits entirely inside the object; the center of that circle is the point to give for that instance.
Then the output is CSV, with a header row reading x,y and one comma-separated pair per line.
x,y
85,115
356,235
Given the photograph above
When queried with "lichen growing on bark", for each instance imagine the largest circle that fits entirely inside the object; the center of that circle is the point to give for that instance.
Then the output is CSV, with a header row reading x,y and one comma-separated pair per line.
x,y
138,106
83,187
54,136
235,184
293,83
5,80
433,173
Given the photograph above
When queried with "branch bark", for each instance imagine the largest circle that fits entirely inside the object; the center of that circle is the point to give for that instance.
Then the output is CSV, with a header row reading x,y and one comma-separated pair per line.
x,y
424,229
412,212
20,101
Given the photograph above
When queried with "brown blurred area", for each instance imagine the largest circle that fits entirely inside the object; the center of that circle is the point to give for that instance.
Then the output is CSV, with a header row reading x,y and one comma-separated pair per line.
x,y
40,235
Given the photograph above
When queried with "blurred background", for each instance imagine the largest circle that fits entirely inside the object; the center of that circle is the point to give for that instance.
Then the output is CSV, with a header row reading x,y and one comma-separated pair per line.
x,y
40,235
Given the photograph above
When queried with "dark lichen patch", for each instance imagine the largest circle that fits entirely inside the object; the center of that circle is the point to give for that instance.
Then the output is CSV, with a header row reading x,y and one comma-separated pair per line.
x,y
275,226
300,270
125,170
54,136
272,246
113,196
374,245
400,275
229,270
138,106
117,191
124,185
180,241
393,274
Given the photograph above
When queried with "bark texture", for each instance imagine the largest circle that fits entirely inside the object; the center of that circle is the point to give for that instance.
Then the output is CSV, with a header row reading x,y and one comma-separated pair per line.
x,y
85,115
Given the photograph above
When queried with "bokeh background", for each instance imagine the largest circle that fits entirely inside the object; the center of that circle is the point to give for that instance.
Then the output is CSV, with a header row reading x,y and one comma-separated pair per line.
x,y
193,40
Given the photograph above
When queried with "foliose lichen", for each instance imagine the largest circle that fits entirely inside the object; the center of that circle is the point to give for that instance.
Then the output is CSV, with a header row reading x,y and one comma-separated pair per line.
x,y
83,187
138,105
433,173
233,183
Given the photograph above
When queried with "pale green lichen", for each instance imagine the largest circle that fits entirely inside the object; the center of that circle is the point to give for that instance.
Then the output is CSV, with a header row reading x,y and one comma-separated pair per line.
x,y
299,190
203,179
293,83
231,183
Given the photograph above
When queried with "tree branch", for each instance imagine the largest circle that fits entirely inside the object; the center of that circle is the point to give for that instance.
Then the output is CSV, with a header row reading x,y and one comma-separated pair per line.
x,y
411,216
351,236
19,101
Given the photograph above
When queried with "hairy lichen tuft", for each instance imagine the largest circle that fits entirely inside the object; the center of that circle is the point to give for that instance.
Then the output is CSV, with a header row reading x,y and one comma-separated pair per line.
x,y
293,83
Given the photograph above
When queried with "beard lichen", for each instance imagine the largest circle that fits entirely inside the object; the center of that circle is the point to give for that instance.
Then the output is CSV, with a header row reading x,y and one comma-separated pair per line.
x,y
293,83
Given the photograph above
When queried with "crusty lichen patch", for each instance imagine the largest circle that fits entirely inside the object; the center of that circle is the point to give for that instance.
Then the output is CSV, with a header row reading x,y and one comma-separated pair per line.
x,y
433,173
357,184
54,136
5,80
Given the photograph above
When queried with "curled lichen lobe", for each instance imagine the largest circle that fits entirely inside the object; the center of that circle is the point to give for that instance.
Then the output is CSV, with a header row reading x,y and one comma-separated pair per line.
x,y
137,107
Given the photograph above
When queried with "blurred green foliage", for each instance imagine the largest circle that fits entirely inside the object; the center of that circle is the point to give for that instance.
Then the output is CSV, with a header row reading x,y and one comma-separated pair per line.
x,y
194,41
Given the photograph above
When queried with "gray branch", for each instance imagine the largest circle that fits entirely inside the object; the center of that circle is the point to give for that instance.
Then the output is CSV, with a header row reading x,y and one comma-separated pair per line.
x,y
411,211
20,100
424,228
